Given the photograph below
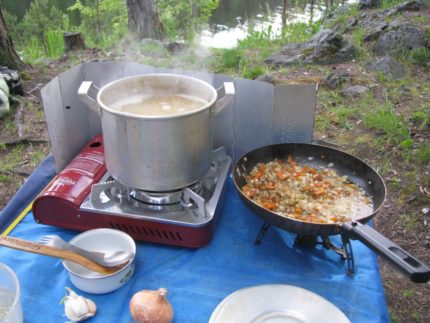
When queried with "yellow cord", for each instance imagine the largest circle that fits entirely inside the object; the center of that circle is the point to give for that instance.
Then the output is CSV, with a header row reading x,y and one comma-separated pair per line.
x,y
17,219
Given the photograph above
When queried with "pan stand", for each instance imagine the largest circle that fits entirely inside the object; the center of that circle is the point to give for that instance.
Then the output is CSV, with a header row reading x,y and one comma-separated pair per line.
x,y
262,232
345,251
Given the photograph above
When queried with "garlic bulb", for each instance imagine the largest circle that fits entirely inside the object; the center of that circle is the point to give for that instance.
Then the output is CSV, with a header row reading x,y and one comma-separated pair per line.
x,y
78,308
151,306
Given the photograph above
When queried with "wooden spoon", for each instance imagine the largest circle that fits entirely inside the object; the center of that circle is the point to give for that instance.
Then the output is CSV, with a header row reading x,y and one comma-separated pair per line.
x,y
33,247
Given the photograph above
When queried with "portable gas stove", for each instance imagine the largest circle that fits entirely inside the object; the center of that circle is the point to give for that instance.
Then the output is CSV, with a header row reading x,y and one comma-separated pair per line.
x,y
84,196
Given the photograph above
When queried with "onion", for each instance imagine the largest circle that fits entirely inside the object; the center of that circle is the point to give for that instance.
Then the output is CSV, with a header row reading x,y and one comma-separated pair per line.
x,y
151,306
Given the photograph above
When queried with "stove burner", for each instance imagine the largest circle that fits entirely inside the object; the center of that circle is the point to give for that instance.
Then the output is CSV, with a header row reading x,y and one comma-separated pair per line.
x,y
311,241
194,205
164,198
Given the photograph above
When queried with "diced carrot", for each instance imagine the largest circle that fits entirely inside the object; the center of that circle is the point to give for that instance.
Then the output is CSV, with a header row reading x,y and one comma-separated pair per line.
x,y
270,186
298,209
269,205
298,174
281,175
257,175
318,192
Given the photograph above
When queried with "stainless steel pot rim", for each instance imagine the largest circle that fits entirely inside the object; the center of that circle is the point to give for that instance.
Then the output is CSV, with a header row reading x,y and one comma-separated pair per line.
x,y
166,117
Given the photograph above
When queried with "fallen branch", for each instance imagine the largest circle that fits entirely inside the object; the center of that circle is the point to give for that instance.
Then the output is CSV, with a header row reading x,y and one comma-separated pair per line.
x,y
24,140
19,116
15,172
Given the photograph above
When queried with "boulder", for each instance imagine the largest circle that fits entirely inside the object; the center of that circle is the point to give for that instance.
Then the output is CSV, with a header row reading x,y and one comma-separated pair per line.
x,y
326,47
414,5
337,79
174,47
388,66
268,78
354,91
400,40
368,4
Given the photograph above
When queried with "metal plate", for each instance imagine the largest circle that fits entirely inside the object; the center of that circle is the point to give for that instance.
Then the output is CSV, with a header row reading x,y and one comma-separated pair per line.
x,y
276,303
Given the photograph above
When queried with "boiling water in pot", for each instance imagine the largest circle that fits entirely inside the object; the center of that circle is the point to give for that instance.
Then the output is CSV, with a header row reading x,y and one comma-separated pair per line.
x,y
159,105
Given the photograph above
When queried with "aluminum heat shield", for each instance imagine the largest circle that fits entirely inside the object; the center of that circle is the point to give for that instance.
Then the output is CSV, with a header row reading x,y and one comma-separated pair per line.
x,y
261,113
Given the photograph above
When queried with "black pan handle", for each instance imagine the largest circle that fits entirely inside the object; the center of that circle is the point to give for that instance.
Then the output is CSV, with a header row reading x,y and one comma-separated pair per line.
x,y
402,260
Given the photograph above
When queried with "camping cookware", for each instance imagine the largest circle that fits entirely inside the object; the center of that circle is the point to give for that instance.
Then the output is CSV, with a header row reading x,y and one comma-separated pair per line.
x,y
359,173
157,152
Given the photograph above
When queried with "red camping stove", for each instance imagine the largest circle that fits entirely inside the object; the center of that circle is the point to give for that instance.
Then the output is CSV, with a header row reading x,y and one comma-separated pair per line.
x,y
84,196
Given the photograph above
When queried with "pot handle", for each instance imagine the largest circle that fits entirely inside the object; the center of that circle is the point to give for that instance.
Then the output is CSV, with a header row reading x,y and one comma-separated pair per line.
x,y
84,96
225,95
402,260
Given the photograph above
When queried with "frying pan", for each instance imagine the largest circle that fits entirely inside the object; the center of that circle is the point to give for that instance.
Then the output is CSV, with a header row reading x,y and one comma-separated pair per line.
x,y
359,173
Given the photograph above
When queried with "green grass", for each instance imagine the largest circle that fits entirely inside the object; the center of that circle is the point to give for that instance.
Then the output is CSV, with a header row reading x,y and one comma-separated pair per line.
x,y
410,220
423,154
391,124
419,56
247,58
357,36
385,4
422,117
12,159
408,293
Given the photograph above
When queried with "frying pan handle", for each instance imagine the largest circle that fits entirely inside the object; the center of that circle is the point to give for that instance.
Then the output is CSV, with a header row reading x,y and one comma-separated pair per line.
x,y
83,94
402,260
225,96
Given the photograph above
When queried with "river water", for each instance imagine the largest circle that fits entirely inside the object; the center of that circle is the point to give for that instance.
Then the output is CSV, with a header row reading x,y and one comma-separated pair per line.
x,y
232,20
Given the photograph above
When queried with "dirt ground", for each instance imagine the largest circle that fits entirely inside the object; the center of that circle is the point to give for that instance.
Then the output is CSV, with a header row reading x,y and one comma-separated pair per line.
x,y
24,142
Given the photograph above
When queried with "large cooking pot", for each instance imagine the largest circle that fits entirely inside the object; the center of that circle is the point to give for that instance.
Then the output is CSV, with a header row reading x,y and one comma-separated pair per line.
x,y
157,152
358,172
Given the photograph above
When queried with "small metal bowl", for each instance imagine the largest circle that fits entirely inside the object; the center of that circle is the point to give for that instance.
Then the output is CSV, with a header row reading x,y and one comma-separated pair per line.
x,y
102,240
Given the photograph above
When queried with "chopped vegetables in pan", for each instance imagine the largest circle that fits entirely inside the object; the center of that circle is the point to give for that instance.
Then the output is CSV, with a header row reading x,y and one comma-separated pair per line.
x,y
306,193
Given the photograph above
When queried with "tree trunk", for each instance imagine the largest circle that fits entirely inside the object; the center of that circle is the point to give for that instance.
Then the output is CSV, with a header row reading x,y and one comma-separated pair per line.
x,y
73,41
8,55
284,13
143,19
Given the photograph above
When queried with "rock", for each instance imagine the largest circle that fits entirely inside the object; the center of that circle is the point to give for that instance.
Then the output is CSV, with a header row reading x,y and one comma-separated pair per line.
x,y
368,4
352,22
387,65
284,60
354,91
376,31
414,5
174,47
336,79
268,78
400,40
326,47
151,42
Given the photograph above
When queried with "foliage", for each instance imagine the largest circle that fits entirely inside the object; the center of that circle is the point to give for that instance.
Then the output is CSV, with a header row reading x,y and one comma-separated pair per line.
x,y
386,4
423,154
419,56
102,21
12,25
247,57
38,21
422,117
385,119
182,19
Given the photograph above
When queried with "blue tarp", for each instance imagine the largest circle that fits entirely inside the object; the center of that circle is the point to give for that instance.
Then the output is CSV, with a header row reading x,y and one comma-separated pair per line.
x,y
198,279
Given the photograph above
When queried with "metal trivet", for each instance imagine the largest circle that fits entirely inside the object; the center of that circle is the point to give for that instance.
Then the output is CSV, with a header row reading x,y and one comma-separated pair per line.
x,y
310,241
